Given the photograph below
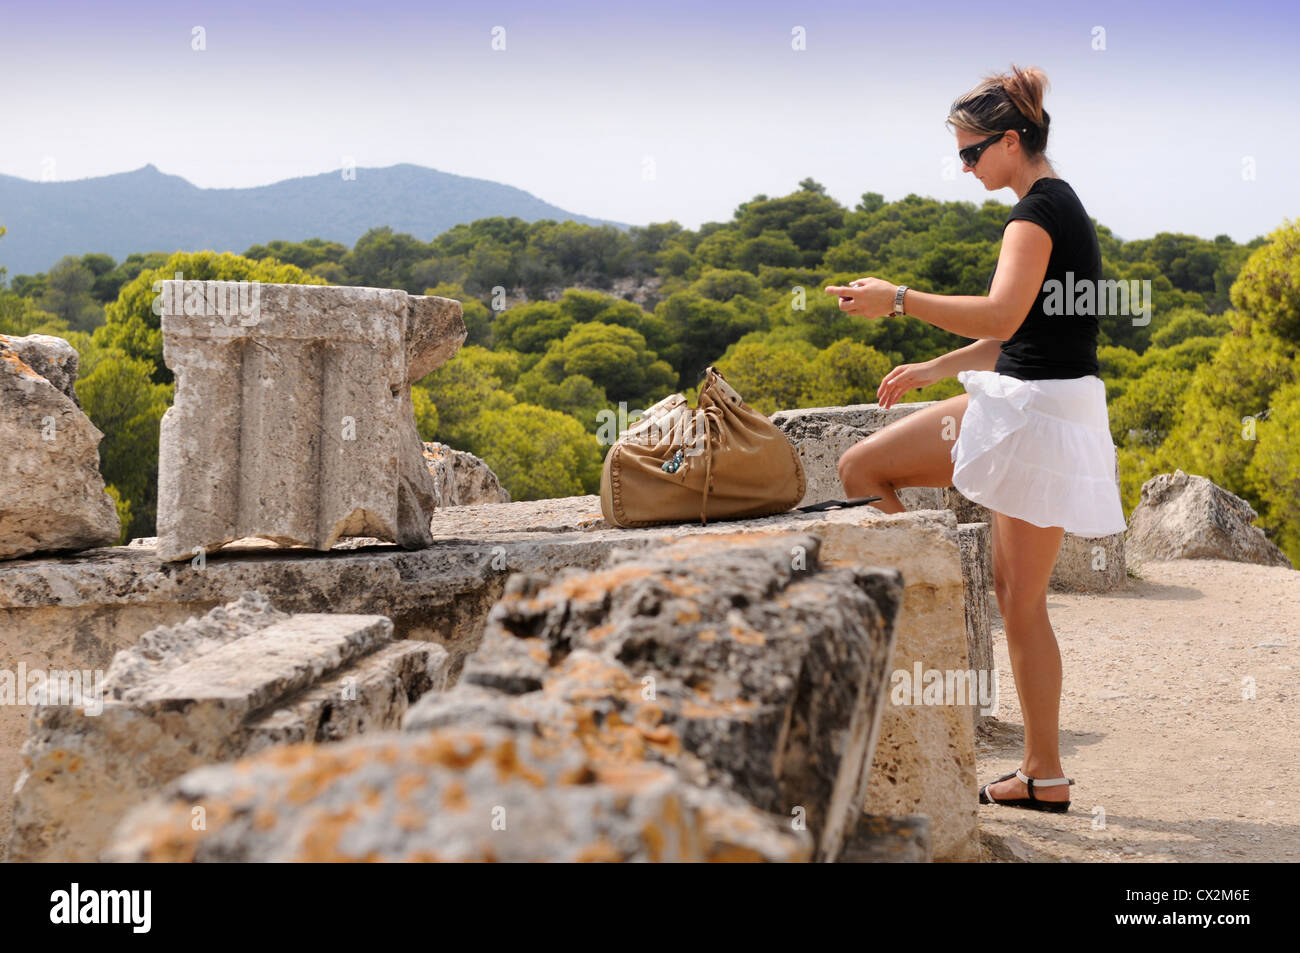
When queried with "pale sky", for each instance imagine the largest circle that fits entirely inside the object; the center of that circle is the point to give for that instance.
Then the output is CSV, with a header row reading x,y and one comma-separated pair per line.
x,y
1154,131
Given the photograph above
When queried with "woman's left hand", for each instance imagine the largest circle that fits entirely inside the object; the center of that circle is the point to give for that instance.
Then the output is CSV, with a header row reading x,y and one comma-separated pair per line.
x,y
866,297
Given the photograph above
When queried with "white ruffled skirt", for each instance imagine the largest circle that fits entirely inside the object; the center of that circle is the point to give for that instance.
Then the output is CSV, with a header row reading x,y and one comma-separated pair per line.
x,y
1040,451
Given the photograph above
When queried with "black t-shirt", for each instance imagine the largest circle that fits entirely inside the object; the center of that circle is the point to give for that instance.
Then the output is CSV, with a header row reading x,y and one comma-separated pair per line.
x,y
1060,345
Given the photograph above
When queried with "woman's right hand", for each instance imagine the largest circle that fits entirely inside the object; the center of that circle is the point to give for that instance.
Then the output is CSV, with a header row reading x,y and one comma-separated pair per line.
x,y
903,378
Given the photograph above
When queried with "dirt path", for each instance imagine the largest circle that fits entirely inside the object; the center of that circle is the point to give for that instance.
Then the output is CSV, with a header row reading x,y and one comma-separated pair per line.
x,y
1154,727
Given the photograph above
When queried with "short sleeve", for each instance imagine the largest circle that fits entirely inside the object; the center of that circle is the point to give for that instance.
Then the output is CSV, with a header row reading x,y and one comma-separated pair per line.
x,y
1041,210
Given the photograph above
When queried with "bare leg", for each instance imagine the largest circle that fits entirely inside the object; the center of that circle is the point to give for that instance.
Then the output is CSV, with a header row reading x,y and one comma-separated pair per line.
x,y
1023,558
915,450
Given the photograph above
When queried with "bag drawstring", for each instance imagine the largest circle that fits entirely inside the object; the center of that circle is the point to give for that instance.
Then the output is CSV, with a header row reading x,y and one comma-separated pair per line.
x,y
675,462
708,463
708,413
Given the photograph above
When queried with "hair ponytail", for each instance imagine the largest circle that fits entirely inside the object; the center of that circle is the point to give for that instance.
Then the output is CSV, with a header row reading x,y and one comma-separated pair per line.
x,y
1007,101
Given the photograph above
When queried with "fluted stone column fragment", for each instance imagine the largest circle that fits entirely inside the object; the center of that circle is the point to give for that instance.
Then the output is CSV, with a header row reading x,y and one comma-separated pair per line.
x,y
292,419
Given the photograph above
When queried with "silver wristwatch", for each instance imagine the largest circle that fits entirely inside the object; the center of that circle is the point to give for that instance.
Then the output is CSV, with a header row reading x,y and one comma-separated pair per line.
x,y
898,301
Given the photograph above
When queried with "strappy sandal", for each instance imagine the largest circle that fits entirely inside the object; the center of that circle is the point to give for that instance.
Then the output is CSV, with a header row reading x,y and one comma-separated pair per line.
x,y
1031,802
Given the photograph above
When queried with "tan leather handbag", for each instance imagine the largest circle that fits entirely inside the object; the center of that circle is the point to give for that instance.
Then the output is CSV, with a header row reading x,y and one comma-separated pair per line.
x,y
723,459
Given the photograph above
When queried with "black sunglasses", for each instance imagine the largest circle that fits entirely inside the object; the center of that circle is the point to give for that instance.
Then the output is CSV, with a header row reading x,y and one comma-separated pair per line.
x,y
971,154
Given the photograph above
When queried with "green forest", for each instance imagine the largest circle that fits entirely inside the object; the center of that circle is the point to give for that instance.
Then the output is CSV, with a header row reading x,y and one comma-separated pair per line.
x,y
1211,385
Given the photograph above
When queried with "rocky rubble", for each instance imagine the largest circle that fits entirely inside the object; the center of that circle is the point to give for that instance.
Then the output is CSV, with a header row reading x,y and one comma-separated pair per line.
x,y
457,794
732,674
461,478
53,496
242,678
1182,516
722,656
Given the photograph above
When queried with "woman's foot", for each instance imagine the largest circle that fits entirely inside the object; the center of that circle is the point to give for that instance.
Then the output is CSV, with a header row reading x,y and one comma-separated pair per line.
x,y
1013,788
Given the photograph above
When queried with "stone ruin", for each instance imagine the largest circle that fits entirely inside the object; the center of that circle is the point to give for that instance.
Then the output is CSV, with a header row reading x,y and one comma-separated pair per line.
x,y
923,759
242,678
294,422
683,703
406,651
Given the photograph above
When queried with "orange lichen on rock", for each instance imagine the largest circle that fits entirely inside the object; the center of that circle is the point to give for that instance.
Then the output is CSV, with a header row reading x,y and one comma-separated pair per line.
x,y
410,820
746,635
628,776
19,364
458,751
316,776
594,585
409,783
653,838
454,797
286,756
175,840
734,854
676,819
649,716
509,767
588,677
680,587
708,708
320,844
600,852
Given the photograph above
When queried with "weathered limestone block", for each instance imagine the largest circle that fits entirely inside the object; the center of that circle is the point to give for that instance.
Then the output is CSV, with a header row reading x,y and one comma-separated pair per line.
x,y
241,678
53,358
735,657
974,542
1090,565
461,478
52,496
458,794
293,422
1184,516
969,512
889,840
925,759
822,434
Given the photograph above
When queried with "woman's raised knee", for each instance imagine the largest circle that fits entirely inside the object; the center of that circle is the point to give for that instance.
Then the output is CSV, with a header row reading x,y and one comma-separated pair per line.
x,y
854,461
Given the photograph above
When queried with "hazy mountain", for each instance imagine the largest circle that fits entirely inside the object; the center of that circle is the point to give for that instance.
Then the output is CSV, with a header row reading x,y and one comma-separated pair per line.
x,y
146,210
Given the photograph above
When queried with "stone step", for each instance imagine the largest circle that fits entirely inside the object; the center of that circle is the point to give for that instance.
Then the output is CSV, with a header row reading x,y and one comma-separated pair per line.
x,y
241,677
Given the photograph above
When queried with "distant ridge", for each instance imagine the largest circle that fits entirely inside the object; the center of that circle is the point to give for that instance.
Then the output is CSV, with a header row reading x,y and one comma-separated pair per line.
x,y
148,210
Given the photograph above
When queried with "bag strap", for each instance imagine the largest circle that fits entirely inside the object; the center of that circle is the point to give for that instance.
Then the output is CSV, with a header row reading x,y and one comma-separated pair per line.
x,y
837,504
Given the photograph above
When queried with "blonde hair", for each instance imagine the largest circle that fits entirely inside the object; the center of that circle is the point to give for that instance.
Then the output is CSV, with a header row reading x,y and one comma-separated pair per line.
x,y
1006,101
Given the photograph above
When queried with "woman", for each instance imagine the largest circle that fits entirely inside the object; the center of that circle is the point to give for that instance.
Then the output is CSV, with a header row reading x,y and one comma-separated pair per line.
x,y
1032,438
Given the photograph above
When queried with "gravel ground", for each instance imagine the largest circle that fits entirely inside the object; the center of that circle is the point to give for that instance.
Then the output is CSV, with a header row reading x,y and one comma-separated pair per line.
x,y
1171,763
